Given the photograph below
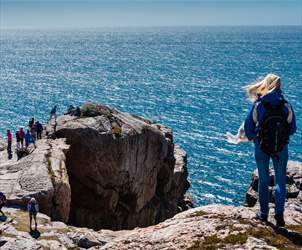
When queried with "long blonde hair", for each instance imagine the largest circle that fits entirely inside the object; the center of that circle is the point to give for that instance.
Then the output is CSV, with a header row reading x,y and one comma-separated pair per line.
x,y
262,87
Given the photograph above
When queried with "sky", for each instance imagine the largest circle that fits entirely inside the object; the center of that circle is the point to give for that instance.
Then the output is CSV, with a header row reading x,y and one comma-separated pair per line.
x,y
134,13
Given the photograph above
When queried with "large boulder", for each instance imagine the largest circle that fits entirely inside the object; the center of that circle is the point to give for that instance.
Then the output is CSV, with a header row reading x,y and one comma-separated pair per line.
x,y
124,170
42,174
293,183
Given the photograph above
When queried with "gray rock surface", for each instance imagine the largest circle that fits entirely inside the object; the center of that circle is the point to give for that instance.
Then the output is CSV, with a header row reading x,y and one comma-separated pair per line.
x,y
207,227
42,174
121,180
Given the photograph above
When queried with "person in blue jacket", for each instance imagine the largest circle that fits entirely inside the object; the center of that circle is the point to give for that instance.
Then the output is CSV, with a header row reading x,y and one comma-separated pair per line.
x,y
268,90
29,139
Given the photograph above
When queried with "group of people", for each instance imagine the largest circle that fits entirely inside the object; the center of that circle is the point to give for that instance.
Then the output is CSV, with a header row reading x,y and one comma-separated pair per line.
x,y
33,133
73,111
32,208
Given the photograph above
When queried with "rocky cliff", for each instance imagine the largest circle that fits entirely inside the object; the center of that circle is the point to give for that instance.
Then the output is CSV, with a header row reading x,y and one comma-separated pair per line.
x,y
107,169
42,174
207,227
116,171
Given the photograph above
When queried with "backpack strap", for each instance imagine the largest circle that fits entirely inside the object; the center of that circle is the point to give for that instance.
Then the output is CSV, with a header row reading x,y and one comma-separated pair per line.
x,y
255,112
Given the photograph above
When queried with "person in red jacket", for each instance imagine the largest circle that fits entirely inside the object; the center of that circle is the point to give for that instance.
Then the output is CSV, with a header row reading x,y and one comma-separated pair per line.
x,y
21,135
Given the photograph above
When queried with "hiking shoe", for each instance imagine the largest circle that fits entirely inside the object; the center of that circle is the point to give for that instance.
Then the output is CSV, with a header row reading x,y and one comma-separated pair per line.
x,y
261,217
279,220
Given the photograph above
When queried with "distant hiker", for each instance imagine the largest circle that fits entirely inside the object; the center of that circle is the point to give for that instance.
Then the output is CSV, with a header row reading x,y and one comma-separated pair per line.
x,y
33,131
21,136
9,139
39,129
33,209
31,123
269,124
53,113
2,202
29,139
18,139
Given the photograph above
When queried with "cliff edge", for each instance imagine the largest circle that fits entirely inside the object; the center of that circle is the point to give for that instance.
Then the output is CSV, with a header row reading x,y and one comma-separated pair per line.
x,y
102,169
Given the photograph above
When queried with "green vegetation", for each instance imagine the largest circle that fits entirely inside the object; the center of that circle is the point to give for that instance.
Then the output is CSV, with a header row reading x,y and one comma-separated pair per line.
x,y
239,238
199,213
296,228
22,220
210,243
271,237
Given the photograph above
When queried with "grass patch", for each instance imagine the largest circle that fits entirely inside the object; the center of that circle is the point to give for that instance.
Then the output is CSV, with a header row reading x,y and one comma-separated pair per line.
x,y
271,237
22,221
199,213
210,243
239,238
296,228
4,234
53,237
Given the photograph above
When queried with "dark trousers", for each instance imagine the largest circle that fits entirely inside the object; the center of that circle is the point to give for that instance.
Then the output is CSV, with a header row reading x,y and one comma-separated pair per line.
x,y
39,135
9,147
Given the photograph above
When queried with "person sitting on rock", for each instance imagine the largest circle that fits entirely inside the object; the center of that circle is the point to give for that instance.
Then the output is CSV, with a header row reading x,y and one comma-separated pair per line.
x,y
33,209
2,202
269,124
70,110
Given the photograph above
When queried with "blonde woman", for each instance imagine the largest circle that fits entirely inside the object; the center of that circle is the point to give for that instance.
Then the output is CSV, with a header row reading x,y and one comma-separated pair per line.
x,y
269,124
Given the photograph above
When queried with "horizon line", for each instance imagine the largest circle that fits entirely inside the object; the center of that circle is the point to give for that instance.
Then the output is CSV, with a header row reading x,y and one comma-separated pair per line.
x,y
150,26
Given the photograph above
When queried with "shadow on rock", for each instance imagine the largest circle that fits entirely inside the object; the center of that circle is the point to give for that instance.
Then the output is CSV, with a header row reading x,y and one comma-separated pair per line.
x,y
35,234
294,237
3,218
2,242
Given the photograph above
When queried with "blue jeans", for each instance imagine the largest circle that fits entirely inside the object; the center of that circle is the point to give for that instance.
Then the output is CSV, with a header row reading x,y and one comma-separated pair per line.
x,y
280,163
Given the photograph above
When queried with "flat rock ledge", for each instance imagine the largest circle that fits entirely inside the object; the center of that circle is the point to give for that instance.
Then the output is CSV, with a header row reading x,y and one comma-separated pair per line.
x,y
207,227
42,174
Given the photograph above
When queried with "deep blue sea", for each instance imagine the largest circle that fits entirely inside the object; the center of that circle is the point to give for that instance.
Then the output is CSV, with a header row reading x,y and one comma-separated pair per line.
x,y
190,79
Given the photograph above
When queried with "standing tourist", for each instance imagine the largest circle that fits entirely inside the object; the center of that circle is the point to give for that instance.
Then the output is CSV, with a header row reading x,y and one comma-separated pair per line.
x,y
31,122
9,139
21,136
53,113
17,140
33,209
39,129
269,124
29,139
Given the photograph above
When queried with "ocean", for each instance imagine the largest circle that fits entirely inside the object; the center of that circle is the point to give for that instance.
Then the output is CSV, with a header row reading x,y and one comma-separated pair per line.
x,y
188,78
